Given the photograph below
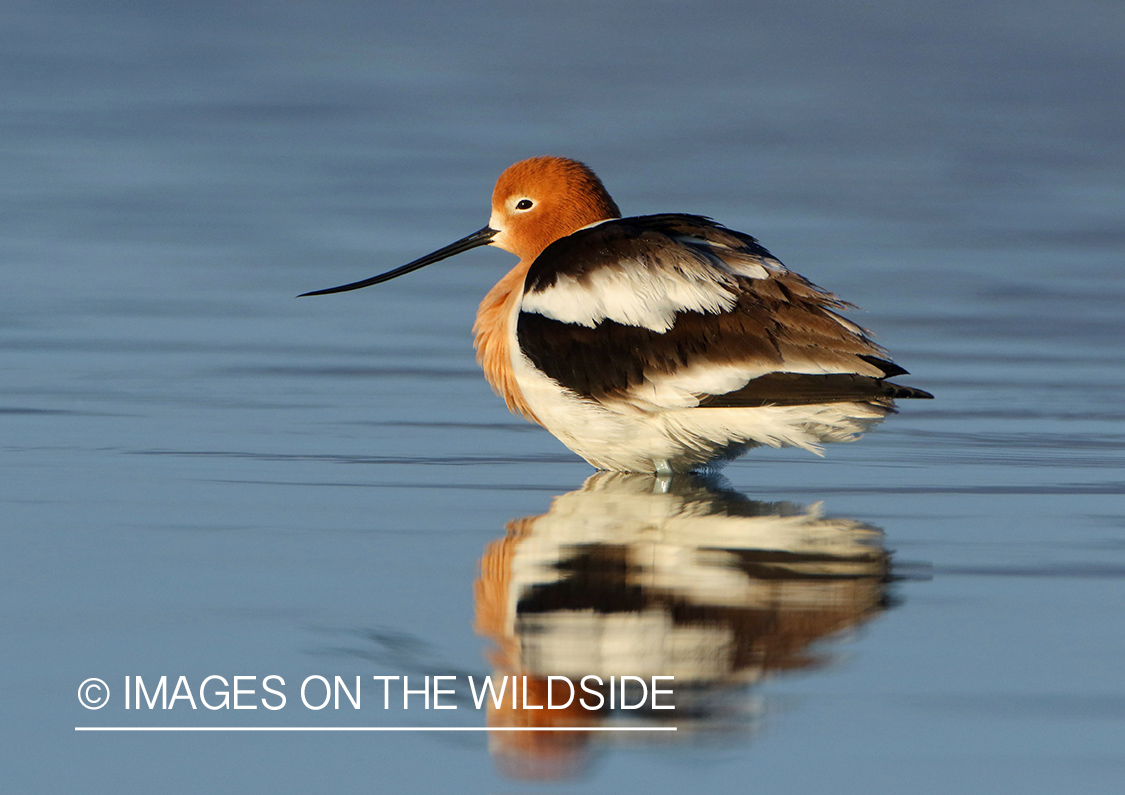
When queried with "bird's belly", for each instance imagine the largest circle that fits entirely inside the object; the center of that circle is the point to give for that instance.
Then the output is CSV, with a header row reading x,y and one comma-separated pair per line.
x,y
623,437
608,438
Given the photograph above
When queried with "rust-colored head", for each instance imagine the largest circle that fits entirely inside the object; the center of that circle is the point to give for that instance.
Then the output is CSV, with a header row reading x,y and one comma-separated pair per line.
x,y
537,201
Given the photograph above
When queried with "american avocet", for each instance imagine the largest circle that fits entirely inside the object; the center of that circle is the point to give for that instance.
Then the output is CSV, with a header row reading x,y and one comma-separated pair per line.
x,y
598,585
659,343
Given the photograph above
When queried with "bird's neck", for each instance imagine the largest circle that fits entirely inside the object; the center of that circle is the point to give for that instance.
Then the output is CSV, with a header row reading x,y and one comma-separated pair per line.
x,y
494,339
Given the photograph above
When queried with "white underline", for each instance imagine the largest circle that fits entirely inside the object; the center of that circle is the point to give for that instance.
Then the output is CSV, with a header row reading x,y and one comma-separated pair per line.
x,y
375,728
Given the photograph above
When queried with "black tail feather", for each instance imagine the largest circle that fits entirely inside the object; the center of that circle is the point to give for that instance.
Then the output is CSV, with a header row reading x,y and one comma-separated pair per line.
x,y
803,389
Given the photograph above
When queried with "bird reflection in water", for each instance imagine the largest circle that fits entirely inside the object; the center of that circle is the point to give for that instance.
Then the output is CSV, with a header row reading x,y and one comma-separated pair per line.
x,y
640,575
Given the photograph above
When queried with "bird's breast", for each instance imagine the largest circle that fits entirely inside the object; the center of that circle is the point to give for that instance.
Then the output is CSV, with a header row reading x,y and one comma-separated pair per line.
x,y
495,338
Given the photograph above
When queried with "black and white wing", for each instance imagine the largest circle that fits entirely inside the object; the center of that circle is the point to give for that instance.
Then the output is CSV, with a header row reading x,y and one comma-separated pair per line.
x,y
677,311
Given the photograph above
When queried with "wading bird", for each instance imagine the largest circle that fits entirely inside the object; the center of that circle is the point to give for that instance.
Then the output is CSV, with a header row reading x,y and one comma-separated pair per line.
x,y
659,343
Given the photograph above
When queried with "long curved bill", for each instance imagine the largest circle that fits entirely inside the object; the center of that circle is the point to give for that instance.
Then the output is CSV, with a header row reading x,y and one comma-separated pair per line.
x,y
478,238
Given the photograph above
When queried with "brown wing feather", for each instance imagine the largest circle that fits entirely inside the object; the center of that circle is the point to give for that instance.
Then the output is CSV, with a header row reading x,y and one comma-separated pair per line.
x,y
780,321
802,389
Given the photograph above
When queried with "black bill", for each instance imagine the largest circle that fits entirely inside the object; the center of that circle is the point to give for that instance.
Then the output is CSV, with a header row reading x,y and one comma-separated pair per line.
x,y
479,238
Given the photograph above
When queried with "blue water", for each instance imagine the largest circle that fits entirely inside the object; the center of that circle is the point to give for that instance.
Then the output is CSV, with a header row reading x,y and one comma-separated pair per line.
x,y
201,475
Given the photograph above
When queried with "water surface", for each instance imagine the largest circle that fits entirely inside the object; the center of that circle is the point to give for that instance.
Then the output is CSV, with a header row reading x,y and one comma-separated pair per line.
x,y
203,476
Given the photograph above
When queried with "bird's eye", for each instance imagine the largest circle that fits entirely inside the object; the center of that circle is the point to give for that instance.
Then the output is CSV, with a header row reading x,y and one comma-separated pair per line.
x,y
524,204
